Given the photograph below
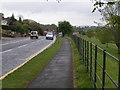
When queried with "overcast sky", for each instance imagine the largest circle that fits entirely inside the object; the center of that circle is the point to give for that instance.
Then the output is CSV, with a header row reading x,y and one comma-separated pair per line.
x,y
77,12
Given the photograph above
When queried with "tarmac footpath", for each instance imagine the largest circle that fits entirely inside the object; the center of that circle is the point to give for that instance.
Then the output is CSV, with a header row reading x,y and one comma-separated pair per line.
x,y
58,73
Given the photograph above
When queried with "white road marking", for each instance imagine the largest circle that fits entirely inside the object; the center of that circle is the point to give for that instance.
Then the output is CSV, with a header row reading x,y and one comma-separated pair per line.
x,y
13,48
15,42
20,46
6,51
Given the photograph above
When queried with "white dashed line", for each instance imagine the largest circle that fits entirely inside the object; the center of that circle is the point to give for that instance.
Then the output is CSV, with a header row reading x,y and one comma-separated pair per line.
x,y
19,47
22,46
15,42
7,51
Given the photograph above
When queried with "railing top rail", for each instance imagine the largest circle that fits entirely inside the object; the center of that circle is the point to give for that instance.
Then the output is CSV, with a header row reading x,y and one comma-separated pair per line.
x,y
112,56
100,48
93,44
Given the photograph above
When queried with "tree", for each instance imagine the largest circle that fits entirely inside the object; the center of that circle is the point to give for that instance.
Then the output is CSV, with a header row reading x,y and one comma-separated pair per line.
x,y
65,27
19,28
33,26
104,35
48,27
90,33
25,28
20,18
111,14
12,20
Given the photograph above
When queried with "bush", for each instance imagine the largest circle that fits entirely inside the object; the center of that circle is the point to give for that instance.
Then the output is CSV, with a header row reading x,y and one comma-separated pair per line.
x,y
7,33
90,33
104,36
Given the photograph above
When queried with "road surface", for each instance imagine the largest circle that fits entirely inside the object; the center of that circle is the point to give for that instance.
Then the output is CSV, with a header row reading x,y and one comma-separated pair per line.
x,y
15,52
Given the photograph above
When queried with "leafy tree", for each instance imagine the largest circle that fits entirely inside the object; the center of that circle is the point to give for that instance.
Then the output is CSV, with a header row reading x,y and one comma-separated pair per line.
x,y
49,27
12,20
34,26
90,33
111,14
65,27
20,20
105,36
25,28
19,27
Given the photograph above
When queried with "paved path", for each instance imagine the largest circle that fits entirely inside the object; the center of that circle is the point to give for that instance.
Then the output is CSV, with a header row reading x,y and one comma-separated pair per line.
x,y
58,73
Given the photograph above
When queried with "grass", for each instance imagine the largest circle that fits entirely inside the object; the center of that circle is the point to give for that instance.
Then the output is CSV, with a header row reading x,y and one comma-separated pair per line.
x,y
112,48
22,77
112,65
81,77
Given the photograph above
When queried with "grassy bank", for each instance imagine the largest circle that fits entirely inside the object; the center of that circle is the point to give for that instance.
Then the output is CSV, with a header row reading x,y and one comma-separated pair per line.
x,y
81,77
112,48
21,77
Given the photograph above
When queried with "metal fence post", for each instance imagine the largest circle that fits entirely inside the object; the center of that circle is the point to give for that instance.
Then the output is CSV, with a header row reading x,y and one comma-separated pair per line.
x,y
75,39
87,56
85,53
78,43
90,61
119,76
95,67
104,67
80,46
83,50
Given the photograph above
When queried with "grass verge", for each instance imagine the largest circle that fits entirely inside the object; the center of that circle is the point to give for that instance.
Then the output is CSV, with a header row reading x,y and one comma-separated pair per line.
x,y
81,77
21,77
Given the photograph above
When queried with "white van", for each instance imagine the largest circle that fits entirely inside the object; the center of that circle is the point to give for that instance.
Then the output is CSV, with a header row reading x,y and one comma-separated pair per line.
x,y
34,34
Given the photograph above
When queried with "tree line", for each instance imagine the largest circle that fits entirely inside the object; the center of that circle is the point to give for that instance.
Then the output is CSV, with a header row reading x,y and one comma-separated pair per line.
x,y
26,25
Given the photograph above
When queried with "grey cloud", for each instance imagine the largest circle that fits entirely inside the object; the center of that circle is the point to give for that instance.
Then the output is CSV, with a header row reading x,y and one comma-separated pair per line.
x,y
38,7
73,11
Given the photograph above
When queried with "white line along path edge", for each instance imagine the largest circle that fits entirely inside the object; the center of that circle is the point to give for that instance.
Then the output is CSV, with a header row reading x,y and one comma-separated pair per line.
x,y
28,59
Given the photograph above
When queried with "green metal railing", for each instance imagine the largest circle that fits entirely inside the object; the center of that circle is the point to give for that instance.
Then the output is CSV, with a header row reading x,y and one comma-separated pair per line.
x,y
98,63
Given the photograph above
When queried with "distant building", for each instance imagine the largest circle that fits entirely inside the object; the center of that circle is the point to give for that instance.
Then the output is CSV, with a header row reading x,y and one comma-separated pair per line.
x,y
1,15
75,33
4,21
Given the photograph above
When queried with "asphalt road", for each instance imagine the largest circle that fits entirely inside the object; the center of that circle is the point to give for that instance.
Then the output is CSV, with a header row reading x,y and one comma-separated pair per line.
x,y
15,52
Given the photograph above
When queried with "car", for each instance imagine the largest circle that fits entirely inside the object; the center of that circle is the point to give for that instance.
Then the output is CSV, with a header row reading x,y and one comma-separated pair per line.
x,y
50,36
60,34
34,34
